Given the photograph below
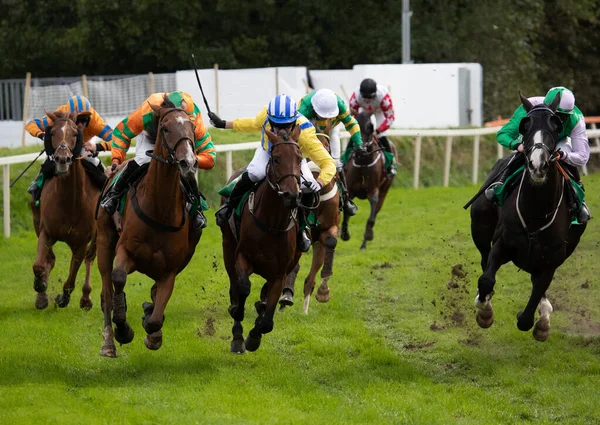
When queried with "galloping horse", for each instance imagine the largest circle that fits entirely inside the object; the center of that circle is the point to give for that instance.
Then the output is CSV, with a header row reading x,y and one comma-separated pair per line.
x,y
267,240
324,239
532,229
366,177
66,213
157,238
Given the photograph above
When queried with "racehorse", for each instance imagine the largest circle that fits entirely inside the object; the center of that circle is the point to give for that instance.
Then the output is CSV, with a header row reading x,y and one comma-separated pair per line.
x,y
366,177
266,244
157,237
65,213
532,229
324,240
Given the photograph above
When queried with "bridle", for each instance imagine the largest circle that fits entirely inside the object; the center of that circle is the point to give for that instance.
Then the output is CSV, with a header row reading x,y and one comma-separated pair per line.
x,y
271,169
170,159
63,145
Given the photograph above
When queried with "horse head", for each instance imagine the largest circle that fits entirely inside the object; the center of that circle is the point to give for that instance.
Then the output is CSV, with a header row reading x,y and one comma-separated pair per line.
x,y
367,133
64,140
540,129
283,169
176,134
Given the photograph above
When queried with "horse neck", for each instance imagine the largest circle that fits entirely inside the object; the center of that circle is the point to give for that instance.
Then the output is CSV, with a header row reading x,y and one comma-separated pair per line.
x,y
161,189
71,188
537,200
269,207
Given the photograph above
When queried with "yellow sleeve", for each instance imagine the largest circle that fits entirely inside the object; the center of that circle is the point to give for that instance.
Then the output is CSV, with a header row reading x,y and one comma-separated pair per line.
x,y
313,149
251,125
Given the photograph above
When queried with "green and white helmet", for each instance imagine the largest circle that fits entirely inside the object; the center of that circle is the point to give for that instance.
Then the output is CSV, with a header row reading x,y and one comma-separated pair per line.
x,y
567,99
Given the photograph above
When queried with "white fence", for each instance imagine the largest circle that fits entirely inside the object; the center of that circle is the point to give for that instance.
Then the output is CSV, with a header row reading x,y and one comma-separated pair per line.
x,y
476,133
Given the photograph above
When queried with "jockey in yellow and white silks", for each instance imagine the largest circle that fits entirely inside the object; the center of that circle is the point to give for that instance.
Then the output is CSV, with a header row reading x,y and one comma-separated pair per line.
x,y
281,113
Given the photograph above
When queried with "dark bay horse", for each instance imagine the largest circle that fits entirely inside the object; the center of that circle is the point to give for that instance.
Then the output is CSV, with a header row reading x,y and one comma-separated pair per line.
x,y
65,213
157,238
324,239
366,177
267,240
532,229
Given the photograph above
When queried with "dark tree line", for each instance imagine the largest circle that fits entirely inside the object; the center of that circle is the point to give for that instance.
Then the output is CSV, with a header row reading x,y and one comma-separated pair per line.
x,y
529,45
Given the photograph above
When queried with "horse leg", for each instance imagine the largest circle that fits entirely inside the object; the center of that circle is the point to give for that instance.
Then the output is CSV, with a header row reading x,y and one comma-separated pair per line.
x,y
77,254
541,329
123,266
153,324
287,297
525,318
85,302
368,236
107,240
323,294
239,289
345,234
484,218
485,286
318,257
41,269
264,323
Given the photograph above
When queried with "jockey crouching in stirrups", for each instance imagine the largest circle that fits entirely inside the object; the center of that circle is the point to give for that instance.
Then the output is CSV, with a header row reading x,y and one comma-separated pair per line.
x,y
142,125
319,106
280,114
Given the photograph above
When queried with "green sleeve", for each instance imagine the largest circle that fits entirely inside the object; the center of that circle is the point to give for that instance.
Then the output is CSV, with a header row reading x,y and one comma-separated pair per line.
x,y
508,135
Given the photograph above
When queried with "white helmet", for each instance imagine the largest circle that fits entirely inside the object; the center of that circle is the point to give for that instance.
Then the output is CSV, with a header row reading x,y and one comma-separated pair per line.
x,y
324,102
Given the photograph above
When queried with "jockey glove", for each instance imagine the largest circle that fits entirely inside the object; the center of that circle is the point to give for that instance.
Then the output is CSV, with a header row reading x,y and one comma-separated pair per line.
x,y
216,121
41,136
313,185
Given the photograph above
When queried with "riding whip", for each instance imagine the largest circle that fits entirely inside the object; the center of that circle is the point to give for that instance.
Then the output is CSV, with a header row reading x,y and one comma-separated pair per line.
x,y
200,84
27,168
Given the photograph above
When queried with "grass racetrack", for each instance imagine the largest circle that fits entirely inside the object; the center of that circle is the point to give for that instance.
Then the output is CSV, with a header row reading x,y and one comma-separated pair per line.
x,y
397,343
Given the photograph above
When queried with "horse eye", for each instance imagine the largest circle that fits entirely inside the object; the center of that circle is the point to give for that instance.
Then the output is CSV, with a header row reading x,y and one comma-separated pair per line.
x,y
164,128
276,159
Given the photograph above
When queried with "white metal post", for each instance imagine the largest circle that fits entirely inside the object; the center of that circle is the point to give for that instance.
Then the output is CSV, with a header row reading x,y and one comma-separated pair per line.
x,y
6,195
417,162
475,158
447,158
229,164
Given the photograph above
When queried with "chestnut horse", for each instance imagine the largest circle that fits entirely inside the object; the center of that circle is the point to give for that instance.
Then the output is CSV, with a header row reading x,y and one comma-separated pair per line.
x,y
532,228
157,238
267,240
65,213
324,240
366,177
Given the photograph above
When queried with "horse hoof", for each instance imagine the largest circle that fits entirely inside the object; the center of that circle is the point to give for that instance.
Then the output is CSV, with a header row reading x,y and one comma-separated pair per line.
x,y
153,341
108,350
522,324
252,343
287,299
369,235
62,300
260,307
484,323
345,236
124,333
363,246
41,301
541,329
86,304
39,285
237,346
485,317
322,296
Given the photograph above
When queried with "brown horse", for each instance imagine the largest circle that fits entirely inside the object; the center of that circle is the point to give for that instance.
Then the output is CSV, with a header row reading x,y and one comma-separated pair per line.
x,y
366,177
267,240
324,239
157,238
66,213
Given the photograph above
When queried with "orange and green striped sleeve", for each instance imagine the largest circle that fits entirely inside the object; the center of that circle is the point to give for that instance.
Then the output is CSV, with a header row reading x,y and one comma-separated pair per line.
x,y
205,150
126,130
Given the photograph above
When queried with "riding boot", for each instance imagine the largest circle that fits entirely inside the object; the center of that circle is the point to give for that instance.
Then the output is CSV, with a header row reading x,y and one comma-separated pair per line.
x,y
510,168
113,196
350,207
198,218
584,214
34,189
47,170
243,185
391,171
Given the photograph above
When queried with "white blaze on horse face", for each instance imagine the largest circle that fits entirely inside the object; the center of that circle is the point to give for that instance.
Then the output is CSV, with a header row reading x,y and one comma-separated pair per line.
x,y
181,120
537,156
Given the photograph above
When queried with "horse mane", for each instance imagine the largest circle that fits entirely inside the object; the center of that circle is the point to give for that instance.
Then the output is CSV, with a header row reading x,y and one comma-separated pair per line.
x,y
61,114
284,135
167,103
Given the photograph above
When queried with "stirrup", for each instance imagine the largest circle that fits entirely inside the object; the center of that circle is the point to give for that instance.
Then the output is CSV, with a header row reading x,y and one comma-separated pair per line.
x,y
303,242
110,204
222,215
350,207
489,192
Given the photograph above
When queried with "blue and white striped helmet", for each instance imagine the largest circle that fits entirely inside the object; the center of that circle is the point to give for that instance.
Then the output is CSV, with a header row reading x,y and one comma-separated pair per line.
x,y
282,110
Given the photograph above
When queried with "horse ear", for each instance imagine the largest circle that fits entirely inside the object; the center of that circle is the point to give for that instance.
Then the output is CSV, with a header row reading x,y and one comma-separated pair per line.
x,y
272,137
296,133
526,103
556,124
50,115
555,102
524,125
155,108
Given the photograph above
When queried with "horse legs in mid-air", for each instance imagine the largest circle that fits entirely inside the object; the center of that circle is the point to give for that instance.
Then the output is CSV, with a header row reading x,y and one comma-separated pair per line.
x,y
323,255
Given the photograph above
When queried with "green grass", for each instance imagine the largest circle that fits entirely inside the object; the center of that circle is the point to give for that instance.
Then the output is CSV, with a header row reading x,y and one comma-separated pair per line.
x,y
396,344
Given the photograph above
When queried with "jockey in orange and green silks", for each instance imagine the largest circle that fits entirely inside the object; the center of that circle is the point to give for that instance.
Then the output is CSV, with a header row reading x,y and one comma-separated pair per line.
x,y
90,123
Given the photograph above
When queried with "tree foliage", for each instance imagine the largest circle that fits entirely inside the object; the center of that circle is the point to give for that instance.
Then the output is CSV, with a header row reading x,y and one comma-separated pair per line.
x,y
527,45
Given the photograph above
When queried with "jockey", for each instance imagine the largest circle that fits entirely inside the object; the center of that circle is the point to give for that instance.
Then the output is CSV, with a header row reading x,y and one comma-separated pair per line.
x,y
141,125
374,99
572,155
280,114
90,123
320,106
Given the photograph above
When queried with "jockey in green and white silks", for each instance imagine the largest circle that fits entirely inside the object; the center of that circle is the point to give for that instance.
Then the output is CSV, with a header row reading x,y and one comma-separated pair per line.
x,y
320,106
573,141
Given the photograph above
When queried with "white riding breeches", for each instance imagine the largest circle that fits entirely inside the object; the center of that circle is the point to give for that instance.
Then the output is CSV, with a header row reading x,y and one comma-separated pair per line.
x,y
143,143
257,169
83,154
335,144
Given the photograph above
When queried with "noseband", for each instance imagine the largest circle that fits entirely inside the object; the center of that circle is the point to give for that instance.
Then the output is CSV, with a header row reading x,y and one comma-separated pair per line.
x,y
275,184
63,145
170,152
539,145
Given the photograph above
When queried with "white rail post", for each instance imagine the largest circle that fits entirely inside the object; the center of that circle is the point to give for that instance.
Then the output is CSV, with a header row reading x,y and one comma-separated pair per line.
x,y
6,195
229,164
500,151
447,158
475,158
417,162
